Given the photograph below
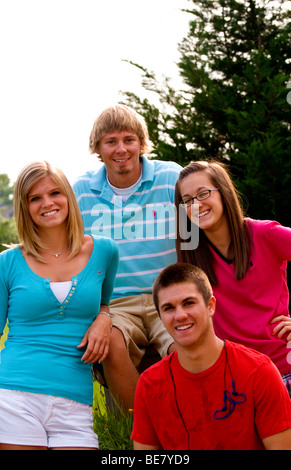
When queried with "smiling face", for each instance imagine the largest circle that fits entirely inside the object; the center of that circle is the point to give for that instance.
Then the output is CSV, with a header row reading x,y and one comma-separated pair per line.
x,y
120,153
210,212
47,205
186,315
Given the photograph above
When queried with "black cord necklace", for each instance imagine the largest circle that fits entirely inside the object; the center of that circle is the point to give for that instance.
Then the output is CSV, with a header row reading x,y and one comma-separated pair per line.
x,y
177,406
229,402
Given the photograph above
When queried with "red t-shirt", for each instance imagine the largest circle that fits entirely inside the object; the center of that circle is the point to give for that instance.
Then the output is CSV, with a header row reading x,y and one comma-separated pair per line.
x,y
245,308
186,420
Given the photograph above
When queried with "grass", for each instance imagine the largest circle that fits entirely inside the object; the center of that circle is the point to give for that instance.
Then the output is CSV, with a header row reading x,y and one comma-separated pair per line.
x,y
3,337
112,427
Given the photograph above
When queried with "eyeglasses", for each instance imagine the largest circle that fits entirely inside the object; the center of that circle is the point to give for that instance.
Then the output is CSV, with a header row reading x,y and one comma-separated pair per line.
x,y
200,196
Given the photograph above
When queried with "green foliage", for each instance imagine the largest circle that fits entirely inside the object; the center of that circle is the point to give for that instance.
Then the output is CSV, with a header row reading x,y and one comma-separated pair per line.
x,y
8,232
235,65
113,428
5,190
3,337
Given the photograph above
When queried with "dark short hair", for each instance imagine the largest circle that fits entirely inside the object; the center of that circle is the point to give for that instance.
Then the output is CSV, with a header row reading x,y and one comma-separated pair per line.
x,y
179,273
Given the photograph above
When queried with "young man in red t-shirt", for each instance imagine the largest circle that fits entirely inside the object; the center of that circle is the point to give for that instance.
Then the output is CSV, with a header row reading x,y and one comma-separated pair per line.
x,y
209,394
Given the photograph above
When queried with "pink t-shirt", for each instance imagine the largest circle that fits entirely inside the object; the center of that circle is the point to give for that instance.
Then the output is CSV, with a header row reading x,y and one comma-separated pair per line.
x,y
245,308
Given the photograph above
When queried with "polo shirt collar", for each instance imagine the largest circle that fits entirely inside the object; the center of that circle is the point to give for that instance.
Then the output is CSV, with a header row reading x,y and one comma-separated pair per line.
x,y
98,181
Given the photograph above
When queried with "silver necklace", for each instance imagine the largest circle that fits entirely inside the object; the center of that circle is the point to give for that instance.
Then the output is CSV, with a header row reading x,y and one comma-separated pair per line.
x,y
56,255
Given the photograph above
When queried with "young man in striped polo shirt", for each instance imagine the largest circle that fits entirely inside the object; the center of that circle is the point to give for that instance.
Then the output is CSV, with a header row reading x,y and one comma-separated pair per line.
x,y
130,198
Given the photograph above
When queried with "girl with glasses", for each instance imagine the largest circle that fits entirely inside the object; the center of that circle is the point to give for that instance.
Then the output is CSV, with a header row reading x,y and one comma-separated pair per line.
x,y
245,260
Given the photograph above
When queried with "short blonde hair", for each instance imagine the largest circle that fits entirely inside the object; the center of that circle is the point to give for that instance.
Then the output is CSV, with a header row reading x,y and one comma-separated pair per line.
x,y
119,118
27,230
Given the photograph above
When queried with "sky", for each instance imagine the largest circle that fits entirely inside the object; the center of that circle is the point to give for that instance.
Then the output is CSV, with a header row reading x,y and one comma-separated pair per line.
x,y
64,61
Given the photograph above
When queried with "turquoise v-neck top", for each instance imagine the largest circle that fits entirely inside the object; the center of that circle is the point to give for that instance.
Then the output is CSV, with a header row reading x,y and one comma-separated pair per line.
x,y
40,353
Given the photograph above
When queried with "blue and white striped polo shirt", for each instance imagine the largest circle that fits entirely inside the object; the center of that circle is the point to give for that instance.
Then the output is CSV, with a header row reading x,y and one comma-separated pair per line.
x,y
143,227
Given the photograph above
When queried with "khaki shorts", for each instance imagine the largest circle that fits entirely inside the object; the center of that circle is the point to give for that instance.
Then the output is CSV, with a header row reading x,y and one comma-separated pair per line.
x,y
136,317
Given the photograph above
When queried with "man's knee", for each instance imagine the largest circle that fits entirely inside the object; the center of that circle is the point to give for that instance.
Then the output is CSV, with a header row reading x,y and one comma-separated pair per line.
x,y
117,347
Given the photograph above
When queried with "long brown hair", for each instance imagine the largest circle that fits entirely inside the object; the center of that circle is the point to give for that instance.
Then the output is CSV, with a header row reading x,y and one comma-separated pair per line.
x,y
202,256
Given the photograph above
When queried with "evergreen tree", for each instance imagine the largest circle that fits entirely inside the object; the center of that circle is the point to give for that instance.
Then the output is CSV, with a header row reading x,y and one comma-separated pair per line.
x,y
235,63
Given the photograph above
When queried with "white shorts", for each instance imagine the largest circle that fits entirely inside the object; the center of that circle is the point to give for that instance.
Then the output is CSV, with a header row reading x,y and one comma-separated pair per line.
x,y
32,419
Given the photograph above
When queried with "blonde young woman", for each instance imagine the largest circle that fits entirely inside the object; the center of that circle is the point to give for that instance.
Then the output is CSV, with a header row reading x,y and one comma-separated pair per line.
x,y
244,259
55,287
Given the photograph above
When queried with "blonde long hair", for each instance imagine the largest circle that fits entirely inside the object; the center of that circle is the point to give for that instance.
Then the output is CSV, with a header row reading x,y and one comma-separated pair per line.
x,y
240,238
27,230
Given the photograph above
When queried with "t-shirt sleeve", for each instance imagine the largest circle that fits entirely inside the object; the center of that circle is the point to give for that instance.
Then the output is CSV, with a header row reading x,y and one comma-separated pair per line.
x,y
3,295
278,236
143,430
112,266
81,189
272,402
